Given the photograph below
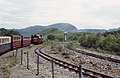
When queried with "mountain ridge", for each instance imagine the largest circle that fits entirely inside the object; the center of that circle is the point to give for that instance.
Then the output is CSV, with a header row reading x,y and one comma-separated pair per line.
x,y
60,26
38,28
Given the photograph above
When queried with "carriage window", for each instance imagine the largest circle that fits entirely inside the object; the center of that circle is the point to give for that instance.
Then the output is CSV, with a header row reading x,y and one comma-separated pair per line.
x,y
7,39
3,40
16,38
0,41
26,38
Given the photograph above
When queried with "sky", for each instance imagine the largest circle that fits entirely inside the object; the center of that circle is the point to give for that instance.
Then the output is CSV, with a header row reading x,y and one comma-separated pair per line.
x,y
99,14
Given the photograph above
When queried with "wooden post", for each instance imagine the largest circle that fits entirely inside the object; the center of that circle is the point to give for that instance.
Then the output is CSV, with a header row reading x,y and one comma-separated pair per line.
x,y
80,71
37,65
52,69
27,60
16,51
21,56
13,52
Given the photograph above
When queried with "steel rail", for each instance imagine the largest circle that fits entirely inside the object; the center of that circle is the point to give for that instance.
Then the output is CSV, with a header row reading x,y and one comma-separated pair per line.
x,y
71,66
99,56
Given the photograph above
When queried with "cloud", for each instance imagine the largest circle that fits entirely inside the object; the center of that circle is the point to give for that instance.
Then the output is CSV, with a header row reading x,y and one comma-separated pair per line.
x,y
81,13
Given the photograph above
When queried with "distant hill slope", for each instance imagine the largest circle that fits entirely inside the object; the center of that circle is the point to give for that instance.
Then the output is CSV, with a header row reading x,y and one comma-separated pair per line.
x,y
64,26
31,30
60,26
92,30
98,30
51,31
114,29
37,29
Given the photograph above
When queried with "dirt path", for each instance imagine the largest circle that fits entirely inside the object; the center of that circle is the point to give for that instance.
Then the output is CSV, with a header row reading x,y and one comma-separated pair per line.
x,y
1,74
16,70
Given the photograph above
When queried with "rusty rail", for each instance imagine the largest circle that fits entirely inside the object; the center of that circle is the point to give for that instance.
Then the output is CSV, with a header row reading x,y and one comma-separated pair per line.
x,y
99,56
71,67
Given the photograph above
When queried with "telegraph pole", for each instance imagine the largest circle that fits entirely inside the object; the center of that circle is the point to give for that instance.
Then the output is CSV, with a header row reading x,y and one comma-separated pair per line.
x,y
65,36
65,39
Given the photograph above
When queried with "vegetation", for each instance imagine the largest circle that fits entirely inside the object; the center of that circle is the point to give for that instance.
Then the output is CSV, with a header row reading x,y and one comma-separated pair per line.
x,y
5,32
108,42
8,63
51,37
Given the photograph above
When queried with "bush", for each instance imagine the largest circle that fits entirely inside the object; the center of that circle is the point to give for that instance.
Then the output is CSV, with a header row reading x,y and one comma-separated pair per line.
x,y
51,37
70,45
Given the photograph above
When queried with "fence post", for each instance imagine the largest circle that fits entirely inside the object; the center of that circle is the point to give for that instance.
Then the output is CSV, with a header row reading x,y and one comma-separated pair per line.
x,y
13,52
80,71
21,56
52,69
16,52
27,60
37,65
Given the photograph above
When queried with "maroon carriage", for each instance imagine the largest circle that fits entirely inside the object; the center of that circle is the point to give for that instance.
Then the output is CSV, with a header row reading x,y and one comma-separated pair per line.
x,y
16,41
5,44
26,40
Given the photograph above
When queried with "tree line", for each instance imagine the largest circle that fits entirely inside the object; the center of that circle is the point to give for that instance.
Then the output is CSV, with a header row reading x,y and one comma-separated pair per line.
x,y
5,32
101,42
109,41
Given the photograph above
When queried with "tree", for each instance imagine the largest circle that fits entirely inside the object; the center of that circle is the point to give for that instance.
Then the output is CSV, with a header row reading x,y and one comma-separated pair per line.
x,y
51,37
4,32
14,32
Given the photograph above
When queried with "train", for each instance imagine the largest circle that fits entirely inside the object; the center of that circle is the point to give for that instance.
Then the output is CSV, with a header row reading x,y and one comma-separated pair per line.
x,y
8,43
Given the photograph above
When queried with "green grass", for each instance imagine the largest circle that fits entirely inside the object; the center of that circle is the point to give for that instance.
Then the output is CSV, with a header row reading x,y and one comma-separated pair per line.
x,y
8,62
55,46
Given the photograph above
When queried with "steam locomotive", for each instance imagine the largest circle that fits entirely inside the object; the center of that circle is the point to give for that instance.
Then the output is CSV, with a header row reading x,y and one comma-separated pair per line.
x,y
8,43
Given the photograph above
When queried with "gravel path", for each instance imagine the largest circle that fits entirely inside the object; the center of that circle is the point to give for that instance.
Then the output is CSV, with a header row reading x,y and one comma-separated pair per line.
x,y
1,73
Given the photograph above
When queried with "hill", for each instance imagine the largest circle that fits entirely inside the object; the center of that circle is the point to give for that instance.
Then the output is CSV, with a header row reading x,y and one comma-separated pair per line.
x,y
37,28
114,29
31,30
60,26
51,31
92,30
64,26
98,30
5,32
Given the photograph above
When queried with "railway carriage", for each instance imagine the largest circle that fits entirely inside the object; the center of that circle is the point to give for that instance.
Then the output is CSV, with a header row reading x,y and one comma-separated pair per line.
x,y
5,44
26,40
16,41
8,43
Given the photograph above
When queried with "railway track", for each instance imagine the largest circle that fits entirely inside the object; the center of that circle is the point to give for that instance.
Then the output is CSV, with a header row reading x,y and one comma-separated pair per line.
x,y
95,55
71,67
99,56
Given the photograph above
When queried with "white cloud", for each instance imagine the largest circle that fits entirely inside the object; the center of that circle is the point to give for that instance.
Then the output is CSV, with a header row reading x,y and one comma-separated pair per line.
x,y
81,13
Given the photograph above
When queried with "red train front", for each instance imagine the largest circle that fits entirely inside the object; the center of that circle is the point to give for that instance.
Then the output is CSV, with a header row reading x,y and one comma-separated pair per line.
x,y
37,39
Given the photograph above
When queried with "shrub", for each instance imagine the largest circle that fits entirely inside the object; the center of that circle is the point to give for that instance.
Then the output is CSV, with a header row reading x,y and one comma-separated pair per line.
x,y
51,37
